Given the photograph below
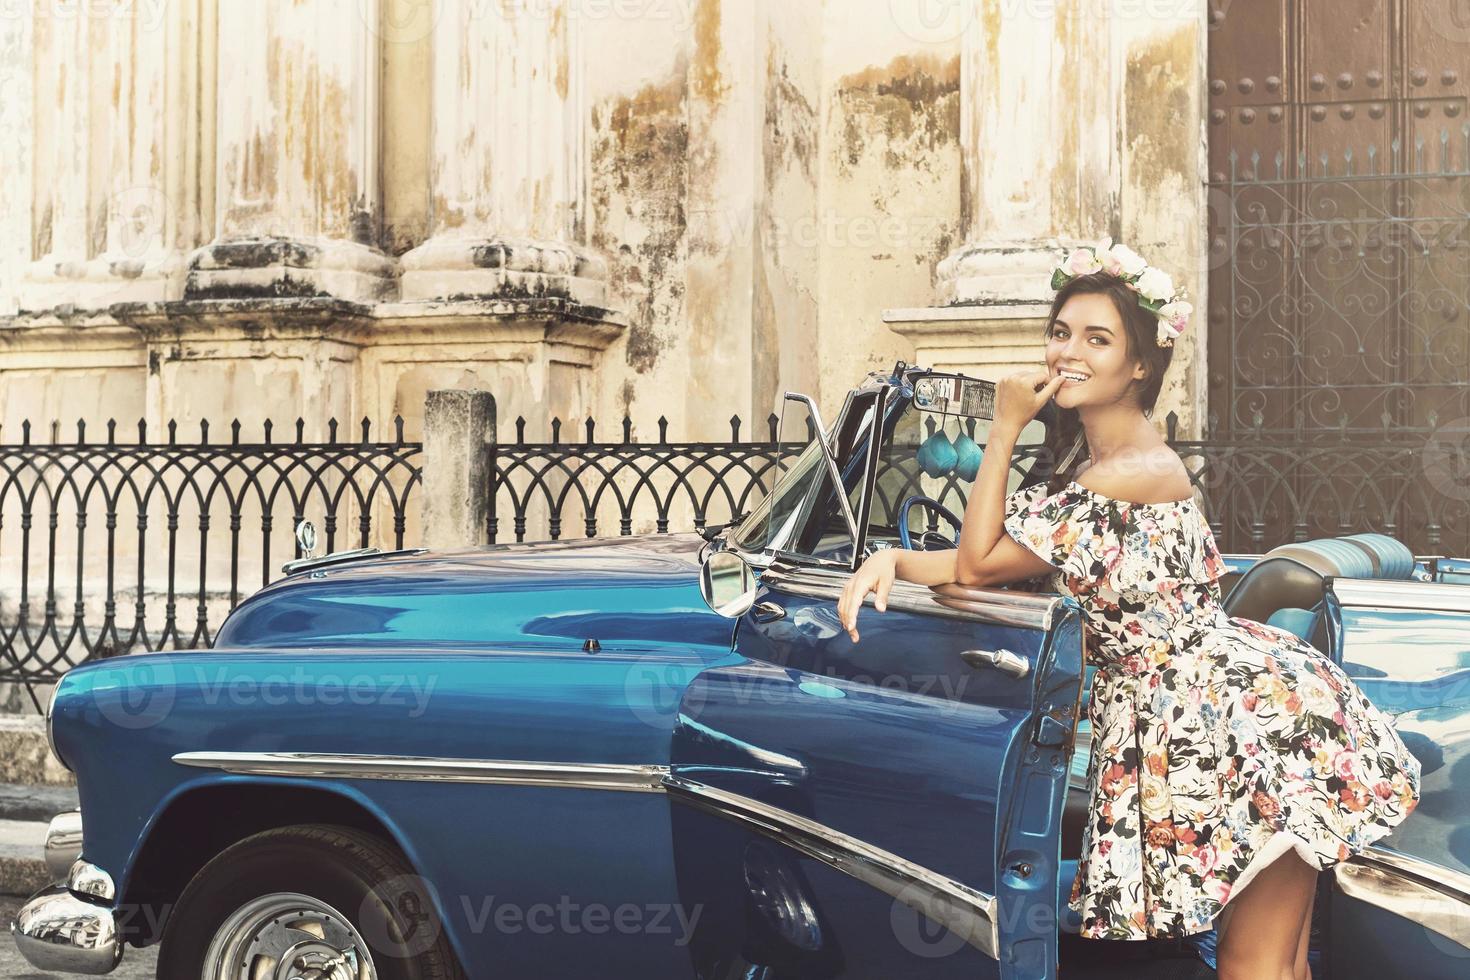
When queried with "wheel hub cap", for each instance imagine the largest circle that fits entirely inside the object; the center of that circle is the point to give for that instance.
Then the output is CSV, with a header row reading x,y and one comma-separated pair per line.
x,y
288,937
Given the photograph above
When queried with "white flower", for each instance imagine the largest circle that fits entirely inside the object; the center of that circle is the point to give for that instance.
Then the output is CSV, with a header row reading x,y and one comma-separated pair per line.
x,y
1155,798
1155,284
1129,261
1082,262
1166,333
1177,313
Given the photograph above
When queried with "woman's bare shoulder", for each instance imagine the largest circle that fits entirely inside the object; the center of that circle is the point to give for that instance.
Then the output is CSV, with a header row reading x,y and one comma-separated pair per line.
x,y
1155,475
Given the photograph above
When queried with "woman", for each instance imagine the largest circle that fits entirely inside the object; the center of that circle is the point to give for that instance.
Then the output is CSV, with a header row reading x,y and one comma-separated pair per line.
x,y
1231,761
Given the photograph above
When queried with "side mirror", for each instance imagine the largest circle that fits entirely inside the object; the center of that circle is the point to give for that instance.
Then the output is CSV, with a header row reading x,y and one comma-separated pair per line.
x,y
727,584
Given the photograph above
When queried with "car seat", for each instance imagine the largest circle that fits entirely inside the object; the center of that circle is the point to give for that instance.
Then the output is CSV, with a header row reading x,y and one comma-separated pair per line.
x,y
1285,588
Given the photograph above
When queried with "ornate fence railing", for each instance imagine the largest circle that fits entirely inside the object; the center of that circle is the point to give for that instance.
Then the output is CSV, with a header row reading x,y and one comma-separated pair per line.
x,y
124,546
112,547
546,491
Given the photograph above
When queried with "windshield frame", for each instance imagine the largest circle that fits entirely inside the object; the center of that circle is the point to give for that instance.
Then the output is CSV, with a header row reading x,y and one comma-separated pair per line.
x,y
765,556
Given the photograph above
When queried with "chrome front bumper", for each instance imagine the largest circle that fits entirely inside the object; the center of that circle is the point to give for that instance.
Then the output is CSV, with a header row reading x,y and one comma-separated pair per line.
x,y
70,927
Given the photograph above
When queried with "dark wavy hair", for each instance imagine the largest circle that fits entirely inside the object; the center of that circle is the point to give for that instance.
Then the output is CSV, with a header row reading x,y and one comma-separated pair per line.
x,y
1066,447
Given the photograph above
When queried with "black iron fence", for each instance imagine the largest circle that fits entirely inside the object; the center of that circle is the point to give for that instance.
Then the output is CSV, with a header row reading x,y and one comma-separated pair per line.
x,y
116,546
111,547
549,490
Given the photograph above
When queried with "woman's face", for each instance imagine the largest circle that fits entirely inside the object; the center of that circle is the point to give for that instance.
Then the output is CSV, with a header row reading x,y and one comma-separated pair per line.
x,y
1089,345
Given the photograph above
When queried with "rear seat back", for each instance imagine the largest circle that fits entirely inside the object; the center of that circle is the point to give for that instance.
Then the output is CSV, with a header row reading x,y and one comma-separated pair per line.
x,y
1286,586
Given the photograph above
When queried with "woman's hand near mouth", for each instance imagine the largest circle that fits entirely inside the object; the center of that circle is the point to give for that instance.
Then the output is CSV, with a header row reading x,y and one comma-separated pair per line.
x,y
1020,396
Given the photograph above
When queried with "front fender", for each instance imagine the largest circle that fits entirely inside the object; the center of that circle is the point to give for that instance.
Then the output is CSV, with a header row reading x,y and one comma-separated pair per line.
x,y
121,723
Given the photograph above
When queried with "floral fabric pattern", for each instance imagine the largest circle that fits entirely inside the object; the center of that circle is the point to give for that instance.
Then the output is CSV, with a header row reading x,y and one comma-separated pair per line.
x,y
1218,743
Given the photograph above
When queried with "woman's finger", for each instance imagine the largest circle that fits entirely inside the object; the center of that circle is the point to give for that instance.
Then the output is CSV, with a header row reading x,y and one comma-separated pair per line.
x,y
880,601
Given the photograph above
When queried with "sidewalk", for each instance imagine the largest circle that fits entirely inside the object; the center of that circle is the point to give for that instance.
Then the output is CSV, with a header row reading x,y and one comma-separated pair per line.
x,y
25,811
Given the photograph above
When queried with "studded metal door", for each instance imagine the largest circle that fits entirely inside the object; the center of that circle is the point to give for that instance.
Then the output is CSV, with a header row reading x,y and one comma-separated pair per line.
x,y
1340,258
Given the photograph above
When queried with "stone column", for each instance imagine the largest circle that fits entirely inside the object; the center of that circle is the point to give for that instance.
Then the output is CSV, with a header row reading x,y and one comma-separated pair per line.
x,y
459,427
61,230
1040,96
507,158
1038,129
16,116
117,134
297,154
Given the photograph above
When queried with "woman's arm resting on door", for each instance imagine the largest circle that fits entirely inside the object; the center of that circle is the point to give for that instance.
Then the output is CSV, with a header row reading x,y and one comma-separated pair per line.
x,y
1006,562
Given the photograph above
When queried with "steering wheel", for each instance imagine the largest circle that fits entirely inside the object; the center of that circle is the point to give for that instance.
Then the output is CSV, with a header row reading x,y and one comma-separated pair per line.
x,y
904,537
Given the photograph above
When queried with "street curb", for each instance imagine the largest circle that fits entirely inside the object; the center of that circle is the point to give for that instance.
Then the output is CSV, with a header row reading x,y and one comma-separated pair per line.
x,y
22,867
25,754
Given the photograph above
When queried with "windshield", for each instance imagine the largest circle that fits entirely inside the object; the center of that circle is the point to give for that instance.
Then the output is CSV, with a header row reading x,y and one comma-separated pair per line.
x,y
802,515
933,437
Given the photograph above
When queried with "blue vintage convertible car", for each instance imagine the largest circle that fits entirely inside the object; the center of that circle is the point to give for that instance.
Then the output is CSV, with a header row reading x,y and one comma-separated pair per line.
x,y
662,757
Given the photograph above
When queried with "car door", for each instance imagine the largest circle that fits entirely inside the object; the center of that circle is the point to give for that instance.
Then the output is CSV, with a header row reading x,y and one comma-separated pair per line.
x,y
887,808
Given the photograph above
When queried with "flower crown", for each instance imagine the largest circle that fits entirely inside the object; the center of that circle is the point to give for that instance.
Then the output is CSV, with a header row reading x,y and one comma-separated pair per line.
x,y
1154,287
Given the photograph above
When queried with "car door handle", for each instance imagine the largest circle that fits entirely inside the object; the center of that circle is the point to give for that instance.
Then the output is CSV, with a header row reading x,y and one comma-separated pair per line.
x,y
767,612
1002,660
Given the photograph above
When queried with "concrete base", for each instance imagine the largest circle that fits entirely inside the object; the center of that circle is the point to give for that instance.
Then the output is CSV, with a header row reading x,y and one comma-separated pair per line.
x,y
982,341
998,273
463,268
22,868
101,282
25,755
284,267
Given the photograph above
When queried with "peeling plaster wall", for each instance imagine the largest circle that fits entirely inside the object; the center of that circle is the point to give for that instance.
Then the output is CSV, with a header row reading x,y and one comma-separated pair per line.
x,y
16,106
890,184
638,198
406,31
787,263
767,178
1162,206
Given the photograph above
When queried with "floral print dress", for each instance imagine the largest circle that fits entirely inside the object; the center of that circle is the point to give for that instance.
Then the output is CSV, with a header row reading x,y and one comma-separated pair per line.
x,y
1218,743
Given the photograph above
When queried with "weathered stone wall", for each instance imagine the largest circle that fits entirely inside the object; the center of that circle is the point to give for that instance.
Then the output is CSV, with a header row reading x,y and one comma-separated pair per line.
x,y
671,208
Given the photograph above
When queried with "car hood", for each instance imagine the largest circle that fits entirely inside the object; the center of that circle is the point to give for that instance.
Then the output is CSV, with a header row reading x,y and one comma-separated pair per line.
x,y
621,592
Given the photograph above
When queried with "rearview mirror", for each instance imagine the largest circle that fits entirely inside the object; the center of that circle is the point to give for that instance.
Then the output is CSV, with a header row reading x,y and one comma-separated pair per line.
x,y
727,584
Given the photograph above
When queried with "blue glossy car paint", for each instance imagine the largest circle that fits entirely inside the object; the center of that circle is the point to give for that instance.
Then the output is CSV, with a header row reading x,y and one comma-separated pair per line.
x,y
641,590
525,690
897,742
1415,665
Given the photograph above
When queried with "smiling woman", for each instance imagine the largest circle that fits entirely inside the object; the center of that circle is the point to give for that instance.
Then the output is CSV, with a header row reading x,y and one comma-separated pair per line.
x,y
1230,761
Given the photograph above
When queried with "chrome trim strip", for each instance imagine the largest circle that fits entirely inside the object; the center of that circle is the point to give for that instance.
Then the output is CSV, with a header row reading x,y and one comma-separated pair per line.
x,y
58,931
51,723
63,844
1434,896
951,601
1401,594
966,912
787,766
829,455
565,775
344,557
